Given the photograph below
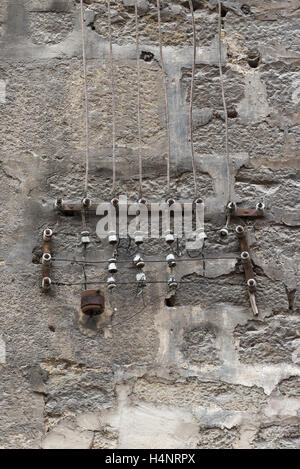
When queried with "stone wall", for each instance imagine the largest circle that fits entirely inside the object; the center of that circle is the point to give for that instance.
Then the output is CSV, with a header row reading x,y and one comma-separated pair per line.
x,y
201,372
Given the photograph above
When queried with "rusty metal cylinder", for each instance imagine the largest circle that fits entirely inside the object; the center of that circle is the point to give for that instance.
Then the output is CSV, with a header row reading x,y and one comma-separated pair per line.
x,y
251,285
92,302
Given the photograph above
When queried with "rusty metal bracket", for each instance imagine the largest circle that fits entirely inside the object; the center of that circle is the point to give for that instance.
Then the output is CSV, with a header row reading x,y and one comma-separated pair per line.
x,y
248,267
258,211
46,260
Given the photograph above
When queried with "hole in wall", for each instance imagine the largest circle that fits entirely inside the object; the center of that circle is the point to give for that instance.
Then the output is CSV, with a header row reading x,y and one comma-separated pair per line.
x,y
254,58
51,328
197,4
170,302
232,112
246,9
146,56
224,11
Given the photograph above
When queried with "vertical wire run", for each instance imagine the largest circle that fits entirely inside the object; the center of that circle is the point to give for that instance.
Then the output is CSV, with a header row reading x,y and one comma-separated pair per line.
x,y
192,98
86,101
224,104
166,95
112,79
138,98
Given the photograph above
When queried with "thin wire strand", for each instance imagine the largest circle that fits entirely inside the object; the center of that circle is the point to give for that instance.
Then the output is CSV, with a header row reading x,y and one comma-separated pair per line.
x,y
86,181
97,282
192,98
224,104
112,79
166,95
138,98
194,259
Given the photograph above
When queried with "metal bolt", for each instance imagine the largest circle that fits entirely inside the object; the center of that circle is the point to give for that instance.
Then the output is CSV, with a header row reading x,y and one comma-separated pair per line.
x,y
240,231
251,285
170,202
198,201
223,233
47,234
245,256
46,259
86,202
115,202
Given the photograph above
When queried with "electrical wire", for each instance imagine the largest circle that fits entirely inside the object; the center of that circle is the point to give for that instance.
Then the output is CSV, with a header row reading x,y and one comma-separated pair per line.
x,y
166,95
138,98
112,80
192,98
228,163
97,282
77,261
86,101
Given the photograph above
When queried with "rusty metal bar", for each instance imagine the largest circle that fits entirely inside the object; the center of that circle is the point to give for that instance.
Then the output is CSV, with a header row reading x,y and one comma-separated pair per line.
x,y
248,267
46,260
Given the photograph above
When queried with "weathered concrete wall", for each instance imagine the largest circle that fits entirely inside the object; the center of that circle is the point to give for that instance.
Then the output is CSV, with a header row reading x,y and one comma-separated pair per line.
x,y
203,373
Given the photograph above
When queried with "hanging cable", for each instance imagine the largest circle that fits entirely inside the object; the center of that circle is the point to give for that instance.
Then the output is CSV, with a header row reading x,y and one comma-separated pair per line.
x,y
224,106
112,79
166,95
138,98
192,98
86,102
